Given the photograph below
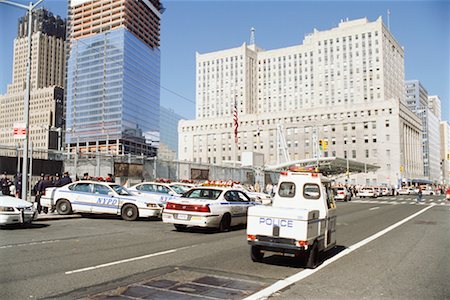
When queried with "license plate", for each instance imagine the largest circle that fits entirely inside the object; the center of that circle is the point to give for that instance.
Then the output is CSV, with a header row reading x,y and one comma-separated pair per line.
x,y
182,217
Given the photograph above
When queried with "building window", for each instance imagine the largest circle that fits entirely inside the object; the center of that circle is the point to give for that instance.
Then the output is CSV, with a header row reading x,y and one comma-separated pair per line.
x,y
345,153
387,123
353,153
374,138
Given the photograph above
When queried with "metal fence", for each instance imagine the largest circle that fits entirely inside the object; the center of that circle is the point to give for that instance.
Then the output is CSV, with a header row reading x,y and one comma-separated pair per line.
x,y
129,168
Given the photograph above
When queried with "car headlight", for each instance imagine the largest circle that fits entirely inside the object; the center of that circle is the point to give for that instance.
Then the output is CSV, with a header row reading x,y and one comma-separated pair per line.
x,y
6,208
152,205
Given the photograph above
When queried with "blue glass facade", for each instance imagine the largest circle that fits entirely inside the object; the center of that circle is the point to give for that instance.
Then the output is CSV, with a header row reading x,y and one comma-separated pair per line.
x,y
113,88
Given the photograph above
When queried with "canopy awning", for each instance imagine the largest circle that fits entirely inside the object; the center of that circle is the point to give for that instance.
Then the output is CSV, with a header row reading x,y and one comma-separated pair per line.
x,y
328,165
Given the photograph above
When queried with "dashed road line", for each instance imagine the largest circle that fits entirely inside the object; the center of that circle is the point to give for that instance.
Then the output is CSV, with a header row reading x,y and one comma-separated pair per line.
x,y
126,260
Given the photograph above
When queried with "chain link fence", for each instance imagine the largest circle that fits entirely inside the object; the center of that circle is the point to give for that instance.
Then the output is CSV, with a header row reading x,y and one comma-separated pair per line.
x,y
127,169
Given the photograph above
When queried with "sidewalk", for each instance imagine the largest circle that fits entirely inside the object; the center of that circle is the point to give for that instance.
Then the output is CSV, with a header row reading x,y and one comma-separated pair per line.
x,y
55,216
52,216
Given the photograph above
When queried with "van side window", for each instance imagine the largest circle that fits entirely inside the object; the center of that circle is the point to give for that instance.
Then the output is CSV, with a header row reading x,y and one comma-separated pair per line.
x,y
311,191
287,189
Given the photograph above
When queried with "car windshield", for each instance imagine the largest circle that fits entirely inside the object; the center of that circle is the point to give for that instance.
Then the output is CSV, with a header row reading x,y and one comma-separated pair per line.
x,y
203,194
179,189
120,190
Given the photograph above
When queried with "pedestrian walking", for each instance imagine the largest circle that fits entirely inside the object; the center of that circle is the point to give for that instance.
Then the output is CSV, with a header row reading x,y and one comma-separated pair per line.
x,y
5,185
419,195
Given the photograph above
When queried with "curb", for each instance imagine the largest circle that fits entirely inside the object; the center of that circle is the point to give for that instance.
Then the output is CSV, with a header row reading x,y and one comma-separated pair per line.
x,y
50,217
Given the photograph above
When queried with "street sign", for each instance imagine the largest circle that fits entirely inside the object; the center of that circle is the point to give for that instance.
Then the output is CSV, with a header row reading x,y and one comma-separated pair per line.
x,y
20,131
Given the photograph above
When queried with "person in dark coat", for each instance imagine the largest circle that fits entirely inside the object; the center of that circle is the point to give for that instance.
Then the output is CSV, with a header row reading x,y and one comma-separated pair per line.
x,y
57,180
65,179
5,185
18,185
43,184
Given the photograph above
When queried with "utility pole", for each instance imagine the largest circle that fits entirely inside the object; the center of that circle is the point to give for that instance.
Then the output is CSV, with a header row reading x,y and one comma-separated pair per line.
x,y
26,110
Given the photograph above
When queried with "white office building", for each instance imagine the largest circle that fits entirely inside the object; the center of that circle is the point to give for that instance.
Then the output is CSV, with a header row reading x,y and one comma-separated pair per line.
x,y
445,152
346,83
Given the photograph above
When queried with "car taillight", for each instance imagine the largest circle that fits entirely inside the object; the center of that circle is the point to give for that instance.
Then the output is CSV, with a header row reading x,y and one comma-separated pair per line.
x,y
251,237
188,207
302,243
341,193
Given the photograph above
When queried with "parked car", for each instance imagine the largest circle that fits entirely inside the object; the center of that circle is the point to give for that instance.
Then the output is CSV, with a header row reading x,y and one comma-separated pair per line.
x,y
16,211
100,198
406,191
429,192
342,193
161,192
367,192
447,194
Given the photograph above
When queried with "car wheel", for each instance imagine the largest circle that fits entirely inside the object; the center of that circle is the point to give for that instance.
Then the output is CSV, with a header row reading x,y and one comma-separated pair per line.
x,y
63,207
130,212
256,254
312,256
225,223
180,227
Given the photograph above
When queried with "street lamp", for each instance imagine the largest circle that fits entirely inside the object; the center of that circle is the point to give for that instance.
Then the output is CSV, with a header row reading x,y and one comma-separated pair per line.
x,y
58,130
26,114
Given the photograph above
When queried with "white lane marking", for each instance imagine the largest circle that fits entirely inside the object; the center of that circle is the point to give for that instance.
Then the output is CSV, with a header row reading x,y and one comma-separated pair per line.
x,y
126,260
373,208
283,283
29,244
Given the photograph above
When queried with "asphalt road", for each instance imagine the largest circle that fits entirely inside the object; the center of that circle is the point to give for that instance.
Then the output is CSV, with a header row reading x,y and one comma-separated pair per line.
x,y
77,257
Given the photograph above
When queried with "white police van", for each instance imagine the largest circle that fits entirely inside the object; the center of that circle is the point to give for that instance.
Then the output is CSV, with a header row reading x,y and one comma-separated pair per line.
x,y
301,221
100,198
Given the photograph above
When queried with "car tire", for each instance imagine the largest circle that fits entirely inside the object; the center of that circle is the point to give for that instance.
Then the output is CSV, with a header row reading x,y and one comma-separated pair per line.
x,y
256,254
130,212
180,227
224,224
63,207
312,257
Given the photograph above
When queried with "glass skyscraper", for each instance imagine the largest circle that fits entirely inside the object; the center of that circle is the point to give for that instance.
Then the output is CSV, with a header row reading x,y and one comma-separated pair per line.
x,y
113,76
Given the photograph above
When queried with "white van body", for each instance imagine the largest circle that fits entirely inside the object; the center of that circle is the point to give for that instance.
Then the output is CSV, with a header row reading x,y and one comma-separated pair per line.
x,y
301,220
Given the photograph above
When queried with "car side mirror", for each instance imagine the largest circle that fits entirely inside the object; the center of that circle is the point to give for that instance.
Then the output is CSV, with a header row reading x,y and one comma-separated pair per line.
x,y
171,193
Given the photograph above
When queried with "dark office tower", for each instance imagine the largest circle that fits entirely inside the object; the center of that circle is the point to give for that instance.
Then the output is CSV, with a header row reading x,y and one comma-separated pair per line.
x,y
114,75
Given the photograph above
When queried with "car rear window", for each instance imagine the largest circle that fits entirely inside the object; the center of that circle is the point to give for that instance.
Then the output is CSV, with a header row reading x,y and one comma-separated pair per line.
x,y
287,189
203,194
311,191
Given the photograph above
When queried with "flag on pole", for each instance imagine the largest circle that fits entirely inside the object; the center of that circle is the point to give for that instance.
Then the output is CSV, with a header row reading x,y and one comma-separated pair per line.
x,y
235,121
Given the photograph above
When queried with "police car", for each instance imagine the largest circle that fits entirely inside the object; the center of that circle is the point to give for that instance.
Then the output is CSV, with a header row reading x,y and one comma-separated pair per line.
x,y
101,198
16,211
208,206
160,192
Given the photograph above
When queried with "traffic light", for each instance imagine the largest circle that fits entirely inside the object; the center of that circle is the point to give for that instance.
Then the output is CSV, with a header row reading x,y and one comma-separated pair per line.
x,y
320,144
325,145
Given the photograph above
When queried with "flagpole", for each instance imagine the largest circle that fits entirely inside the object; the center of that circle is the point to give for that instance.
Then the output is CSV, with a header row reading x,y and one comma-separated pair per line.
x,y
235,123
